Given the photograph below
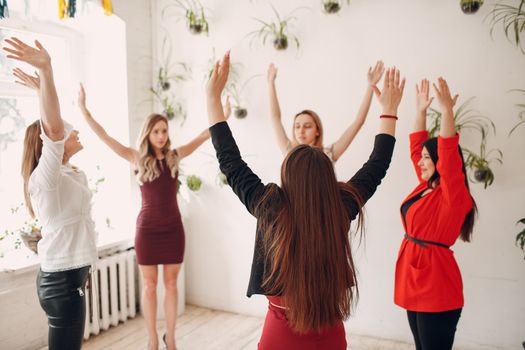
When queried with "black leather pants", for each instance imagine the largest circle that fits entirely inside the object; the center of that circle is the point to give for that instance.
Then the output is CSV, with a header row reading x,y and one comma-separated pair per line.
x,y
62,296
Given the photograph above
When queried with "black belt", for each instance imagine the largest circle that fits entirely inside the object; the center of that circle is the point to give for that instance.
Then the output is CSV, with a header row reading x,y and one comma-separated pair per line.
x,y
423,243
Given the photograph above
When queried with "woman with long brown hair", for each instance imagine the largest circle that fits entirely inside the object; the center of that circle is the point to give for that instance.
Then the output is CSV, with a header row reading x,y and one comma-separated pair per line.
x,y
56,193
303,258
307,128
435,214
159,238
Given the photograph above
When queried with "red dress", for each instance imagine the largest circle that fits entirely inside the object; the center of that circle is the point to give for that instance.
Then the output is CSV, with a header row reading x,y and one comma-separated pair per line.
x,y
428,279
159,237
277,334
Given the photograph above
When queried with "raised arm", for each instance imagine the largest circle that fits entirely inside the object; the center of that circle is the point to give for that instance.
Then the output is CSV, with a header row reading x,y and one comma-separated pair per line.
x,y
190,147
275,111
368,178
447,102
49,106
246,185
341,145
420,134
127,153
449,165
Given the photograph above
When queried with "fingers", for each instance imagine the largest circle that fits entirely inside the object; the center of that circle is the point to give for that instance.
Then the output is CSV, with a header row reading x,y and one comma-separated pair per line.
x,y
402,86
386,82
39,46
14,43
455,99
19,42
396,78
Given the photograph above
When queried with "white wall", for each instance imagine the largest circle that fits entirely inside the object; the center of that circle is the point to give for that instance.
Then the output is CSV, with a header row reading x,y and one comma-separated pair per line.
x,y
423,39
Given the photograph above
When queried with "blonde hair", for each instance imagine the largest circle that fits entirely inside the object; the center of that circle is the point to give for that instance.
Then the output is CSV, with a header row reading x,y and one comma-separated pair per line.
x,y
318,124
147,169
30,157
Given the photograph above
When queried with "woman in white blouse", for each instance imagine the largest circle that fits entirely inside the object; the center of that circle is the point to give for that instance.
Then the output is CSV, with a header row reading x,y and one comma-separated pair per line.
x,y
57,193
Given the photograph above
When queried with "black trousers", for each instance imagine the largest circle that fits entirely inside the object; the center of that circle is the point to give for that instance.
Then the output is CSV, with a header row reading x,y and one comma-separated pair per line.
x,y
434,330
62,296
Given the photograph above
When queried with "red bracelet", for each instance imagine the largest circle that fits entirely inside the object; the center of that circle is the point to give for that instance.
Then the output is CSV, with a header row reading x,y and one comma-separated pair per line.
x,y
388,116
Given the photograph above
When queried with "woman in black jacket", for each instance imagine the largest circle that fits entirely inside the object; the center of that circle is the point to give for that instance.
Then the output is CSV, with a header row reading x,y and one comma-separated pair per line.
x,y
303,260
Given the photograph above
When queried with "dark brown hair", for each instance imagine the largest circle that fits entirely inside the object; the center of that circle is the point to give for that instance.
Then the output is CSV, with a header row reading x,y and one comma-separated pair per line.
x,y
306,241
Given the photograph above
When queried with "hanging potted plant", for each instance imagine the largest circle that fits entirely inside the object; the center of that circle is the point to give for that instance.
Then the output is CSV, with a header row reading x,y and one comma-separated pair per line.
x,y
512,19
465,118
221,179
333,6
278,30
194,183
233,77
239,109
470,6
479,164
520,237
193,13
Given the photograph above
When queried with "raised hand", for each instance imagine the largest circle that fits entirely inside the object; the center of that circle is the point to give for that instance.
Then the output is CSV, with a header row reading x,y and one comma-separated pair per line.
x,y
422,98
218,77
82,98
32,82
443,95
374,75
272,73
393,87
37,57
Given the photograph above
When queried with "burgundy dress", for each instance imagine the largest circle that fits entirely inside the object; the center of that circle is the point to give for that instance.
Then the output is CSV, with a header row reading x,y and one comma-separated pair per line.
x,y
159,236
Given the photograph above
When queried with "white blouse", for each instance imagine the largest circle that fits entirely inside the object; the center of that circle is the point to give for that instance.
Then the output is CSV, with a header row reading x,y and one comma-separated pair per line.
x,y
62,201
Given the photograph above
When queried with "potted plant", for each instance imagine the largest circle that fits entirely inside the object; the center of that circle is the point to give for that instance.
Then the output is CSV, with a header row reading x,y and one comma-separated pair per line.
x,y
233,77
520,237
171,107
193,13
194,183
278,30
465,118
512,19
239,109
480,163
470,6
333,6
28,233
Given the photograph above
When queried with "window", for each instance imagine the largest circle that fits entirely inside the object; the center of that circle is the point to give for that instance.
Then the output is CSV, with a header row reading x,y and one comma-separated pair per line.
x,y
77,55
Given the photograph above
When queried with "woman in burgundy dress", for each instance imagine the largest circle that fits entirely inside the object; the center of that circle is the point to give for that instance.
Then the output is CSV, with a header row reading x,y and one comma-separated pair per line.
x,y
159,238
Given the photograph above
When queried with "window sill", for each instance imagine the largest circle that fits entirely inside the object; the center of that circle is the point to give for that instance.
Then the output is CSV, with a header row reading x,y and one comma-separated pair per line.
x,y
22,261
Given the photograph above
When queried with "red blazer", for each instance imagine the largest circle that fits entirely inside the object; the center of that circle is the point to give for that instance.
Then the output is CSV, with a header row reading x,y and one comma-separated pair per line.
x,y
428,279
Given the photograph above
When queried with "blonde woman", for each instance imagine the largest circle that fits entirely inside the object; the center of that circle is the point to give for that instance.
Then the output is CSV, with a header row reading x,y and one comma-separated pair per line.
x,y
57,194
307,128
159,238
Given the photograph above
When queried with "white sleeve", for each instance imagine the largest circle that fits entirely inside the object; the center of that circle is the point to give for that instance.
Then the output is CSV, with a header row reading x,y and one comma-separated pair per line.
x,y
47,172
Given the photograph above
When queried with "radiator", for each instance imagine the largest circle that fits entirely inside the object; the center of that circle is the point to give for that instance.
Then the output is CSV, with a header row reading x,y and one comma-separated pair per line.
x,y
111,297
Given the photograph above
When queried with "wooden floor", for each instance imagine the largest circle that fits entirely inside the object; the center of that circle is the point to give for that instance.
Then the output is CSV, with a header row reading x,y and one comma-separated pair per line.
x,y
205,329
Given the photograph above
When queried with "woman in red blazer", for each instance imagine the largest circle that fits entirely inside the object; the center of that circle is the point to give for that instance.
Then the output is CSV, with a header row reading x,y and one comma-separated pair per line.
x,y
438,211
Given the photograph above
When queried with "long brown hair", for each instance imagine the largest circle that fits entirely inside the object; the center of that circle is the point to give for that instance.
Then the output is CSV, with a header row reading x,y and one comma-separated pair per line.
x,y
147,169
467,228
30,157
306,241
318,124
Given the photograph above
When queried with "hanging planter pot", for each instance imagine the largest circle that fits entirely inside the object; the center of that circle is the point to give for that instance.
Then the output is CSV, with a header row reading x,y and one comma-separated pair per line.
x,y
196,28
470,6
331,6
280,42
240,112
482,174
194,183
